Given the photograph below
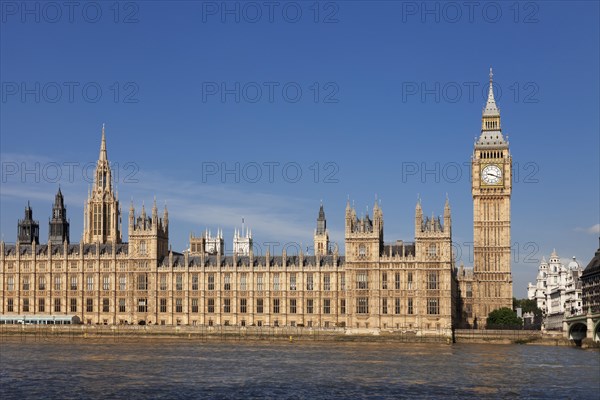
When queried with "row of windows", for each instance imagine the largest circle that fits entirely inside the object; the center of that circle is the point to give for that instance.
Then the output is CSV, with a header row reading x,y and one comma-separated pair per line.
x,y
431,251
260,282
432,280
491,154
397,308
491,124
57,305
142,305
362,305
260,306
142,282
74,265
73,283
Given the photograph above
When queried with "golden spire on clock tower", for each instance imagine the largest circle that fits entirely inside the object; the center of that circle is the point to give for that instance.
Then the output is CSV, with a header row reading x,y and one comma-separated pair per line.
x,y
491,131
490,108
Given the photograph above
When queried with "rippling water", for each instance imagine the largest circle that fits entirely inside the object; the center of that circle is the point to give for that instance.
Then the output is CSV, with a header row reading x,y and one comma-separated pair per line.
x,y
181,369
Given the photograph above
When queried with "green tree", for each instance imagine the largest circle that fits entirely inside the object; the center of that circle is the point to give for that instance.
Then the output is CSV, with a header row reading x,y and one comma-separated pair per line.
x,y
503,318
527,306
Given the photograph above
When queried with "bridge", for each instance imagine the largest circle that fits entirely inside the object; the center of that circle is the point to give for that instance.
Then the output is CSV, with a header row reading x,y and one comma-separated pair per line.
x,y
582,326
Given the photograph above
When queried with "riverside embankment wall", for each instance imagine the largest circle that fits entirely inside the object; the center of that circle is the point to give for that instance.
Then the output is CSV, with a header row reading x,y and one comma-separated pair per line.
x,y
293,334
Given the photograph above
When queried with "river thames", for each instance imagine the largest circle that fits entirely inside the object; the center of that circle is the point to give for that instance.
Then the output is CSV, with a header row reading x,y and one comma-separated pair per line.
x,y
183,369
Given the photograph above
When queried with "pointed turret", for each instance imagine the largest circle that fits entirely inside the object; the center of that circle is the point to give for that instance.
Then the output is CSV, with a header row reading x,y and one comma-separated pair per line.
x,y
131,216
418,216
28,229
321,237
377,217
349,217
321,221
154,213
58,229
447,216
165,218
103,156
58,199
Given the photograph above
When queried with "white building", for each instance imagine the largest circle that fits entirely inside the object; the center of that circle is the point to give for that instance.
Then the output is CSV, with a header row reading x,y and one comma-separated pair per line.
x,y
557,290
242,241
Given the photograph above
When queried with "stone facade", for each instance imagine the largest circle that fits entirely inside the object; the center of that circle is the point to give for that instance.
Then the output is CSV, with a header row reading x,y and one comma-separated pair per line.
x,y
104,281
400,285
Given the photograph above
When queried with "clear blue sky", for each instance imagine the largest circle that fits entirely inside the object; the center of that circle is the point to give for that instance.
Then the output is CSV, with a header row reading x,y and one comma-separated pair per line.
x,y
385,87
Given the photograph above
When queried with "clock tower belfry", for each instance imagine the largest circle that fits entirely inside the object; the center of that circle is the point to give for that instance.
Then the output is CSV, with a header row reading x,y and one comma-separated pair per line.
x,y
491,185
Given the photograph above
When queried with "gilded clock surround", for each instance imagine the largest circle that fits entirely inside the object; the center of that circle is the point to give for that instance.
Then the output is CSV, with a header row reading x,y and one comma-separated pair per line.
x,y
500,176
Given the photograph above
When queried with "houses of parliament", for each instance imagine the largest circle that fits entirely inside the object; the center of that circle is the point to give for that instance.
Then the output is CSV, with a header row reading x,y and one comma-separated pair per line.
x,y
395,286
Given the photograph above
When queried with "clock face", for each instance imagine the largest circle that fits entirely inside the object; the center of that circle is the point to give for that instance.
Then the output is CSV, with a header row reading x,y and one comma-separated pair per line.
x,y
491,175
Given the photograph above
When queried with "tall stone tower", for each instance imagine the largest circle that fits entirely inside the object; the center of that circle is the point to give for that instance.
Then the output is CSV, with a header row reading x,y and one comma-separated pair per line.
x,y
102,213
58,229
321,238
435,262
364,247
491,186
28,229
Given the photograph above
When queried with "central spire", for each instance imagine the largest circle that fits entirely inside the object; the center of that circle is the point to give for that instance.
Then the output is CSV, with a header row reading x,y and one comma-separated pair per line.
x,y
491,91
103,181
490,108
103,156
102,213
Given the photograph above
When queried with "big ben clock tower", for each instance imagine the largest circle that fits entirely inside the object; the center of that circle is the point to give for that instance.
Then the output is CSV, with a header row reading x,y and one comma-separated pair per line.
x,y
491,185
